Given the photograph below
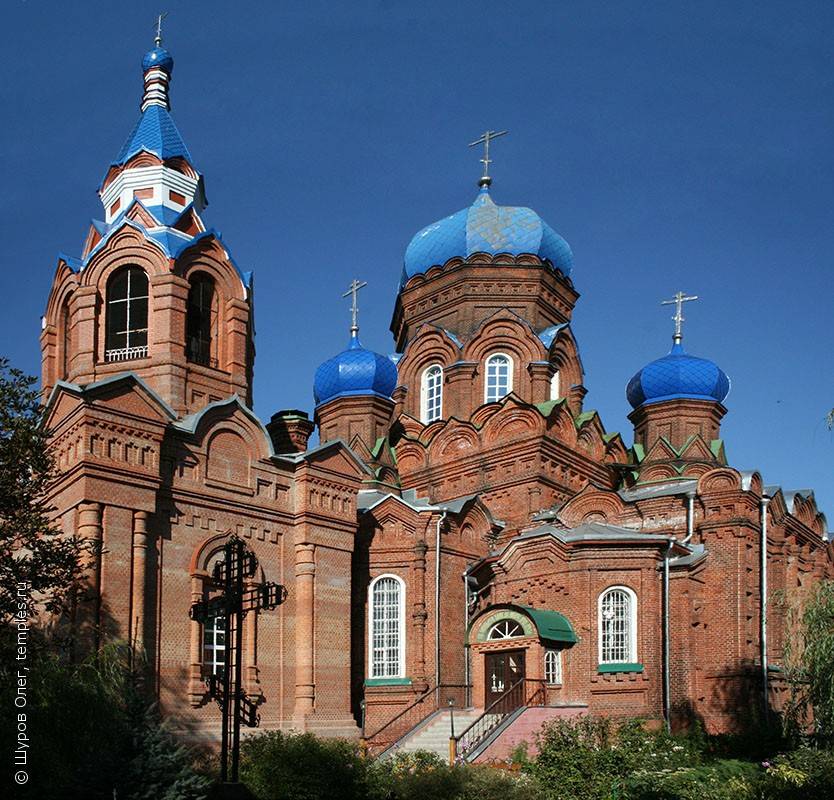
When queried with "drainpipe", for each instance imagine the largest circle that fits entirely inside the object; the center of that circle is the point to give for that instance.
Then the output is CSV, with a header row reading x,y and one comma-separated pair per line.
x,y
440,522
667,688
465,634
763,602
667,651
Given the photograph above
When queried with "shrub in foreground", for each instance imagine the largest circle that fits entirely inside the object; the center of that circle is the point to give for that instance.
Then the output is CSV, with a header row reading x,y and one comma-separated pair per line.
x,y
281,766
591,757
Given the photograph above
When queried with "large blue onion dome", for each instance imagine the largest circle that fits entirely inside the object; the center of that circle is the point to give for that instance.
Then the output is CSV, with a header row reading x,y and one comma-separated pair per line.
x,y
355,371
158,57
486,228
678,375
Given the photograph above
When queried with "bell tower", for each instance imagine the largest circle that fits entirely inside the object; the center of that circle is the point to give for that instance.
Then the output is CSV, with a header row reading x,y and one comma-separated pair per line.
x,y
155,292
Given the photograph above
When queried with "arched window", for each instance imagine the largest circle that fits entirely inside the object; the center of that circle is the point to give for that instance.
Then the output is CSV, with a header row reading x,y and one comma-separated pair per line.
x,y
127,315
552,666
201,321
505,629
498,381
214,646
431,394
554,386
618,626
387,627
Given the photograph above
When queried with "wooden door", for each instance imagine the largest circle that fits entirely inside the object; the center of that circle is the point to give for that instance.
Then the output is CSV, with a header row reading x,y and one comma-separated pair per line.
x,y
502,671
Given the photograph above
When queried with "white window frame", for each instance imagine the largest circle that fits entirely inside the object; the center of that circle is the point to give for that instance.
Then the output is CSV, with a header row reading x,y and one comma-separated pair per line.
x,y
425,406
512,629
555,668
510,376
631,656
211,631
400,629
554,386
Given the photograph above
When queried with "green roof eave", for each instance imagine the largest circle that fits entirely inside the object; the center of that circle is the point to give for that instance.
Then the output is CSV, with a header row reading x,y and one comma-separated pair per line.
x,y
551,625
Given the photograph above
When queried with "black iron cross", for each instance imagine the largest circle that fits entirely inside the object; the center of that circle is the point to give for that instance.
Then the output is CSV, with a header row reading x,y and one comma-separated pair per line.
x,y
233,604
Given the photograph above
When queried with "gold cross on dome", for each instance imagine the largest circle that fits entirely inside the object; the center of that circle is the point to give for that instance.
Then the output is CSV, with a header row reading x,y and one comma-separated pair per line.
x,y
352,292
679,299
485,138
158,26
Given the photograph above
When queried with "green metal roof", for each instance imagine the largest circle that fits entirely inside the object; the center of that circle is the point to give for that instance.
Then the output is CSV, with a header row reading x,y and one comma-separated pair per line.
x,y
551,624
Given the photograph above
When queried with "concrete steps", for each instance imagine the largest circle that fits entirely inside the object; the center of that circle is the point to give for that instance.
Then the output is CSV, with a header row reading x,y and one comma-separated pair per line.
x,y
433,735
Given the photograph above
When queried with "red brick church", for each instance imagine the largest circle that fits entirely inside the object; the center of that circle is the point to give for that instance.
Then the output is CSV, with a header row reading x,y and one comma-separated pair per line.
x,y
465,530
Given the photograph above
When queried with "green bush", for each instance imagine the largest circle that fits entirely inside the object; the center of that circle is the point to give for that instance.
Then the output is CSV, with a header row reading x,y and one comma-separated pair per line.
x,y
591,757
801,774
424,776
281,766
721,780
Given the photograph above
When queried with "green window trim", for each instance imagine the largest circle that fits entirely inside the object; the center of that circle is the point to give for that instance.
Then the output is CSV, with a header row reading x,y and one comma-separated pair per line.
x,y
388,681
620,667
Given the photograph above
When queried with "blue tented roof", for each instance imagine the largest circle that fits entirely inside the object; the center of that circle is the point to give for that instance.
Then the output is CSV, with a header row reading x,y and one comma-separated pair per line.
x,y
155,132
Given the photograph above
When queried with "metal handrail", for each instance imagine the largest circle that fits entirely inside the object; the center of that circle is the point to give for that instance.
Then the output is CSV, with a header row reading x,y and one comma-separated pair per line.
x,y
462,747
372,740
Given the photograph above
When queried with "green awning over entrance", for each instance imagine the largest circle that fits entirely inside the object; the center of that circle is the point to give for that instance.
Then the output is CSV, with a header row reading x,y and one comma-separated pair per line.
x,y
548,625
551,625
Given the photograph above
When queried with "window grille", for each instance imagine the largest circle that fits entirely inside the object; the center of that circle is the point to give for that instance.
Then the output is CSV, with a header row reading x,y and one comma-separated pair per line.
x,y
386,628
617,627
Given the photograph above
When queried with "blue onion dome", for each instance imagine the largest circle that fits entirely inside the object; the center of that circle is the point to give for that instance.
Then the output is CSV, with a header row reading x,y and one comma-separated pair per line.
x,y
486,228
678,375
158,57
355,371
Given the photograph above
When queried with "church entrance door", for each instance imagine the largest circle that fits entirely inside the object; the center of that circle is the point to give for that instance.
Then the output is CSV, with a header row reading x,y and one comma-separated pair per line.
x,y
503,670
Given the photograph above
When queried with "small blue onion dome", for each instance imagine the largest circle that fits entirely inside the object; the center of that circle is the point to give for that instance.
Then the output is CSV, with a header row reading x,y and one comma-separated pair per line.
x,y
355,371
678,375
158,57
486,228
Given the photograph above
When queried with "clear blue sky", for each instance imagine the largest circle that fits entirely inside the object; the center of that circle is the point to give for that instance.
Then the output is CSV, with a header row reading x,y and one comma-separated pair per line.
x,y
674,145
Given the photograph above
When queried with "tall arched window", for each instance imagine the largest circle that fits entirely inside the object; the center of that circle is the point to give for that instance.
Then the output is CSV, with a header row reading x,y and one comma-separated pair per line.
x,y
387,627
127,315
618,626
201,321
554,386
498,381
431,394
